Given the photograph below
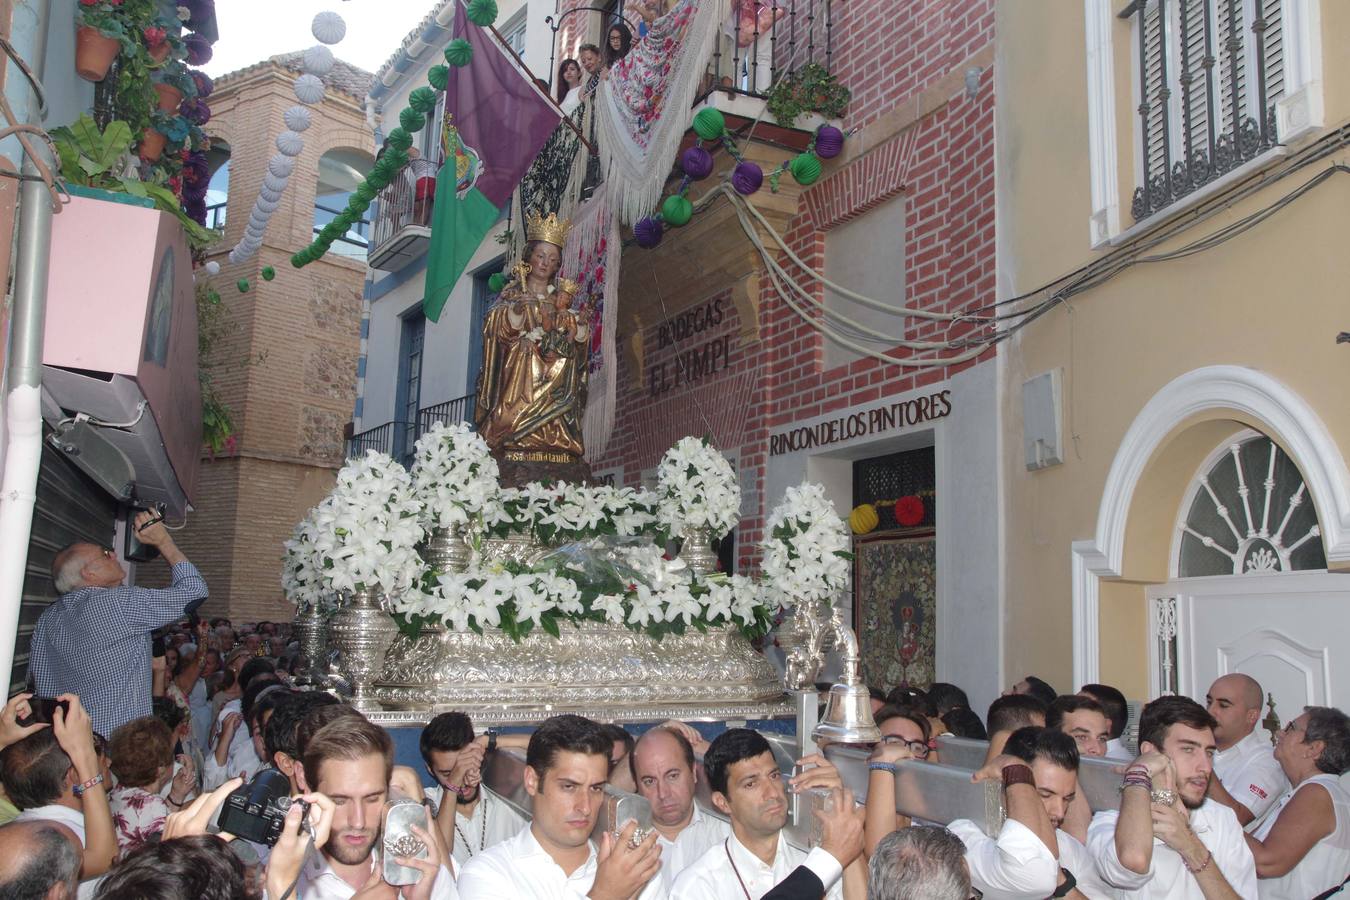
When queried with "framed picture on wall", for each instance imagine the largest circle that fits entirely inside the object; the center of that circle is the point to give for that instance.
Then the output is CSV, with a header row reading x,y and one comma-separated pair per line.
x,y
894,607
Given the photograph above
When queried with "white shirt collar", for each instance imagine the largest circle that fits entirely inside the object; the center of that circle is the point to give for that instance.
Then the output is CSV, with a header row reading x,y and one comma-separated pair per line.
x,y
528,847
745,860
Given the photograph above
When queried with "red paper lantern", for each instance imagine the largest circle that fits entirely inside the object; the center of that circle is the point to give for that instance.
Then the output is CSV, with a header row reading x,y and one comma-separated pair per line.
x,y
909,511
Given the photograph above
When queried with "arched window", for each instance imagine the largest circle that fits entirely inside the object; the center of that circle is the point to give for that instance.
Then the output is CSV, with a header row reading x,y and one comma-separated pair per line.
x,y
218,189
1249,513
341,171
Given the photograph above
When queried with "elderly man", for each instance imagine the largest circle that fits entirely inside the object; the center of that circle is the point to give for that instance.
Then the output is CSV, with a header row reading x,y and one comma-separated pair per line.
x,y
94,641
1249,781
39,860
926,862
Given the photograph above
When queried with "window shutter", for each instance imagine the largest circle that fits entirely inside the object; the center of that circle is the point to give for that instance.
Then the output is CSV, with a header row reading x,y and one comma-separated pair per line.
x,y
1154,163
1273,11
1195,102
1231,18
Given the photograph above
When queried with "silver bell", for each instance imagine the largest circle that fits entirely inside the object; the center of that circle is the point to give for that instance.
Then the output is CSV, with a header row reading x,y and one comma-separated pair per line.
x,y
848,717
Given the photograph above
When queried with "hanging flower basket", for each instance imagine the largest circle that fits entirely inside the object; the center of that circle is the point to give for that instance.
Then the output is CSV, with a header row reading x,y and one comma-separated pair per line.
x,y
94,53
169,97
152,145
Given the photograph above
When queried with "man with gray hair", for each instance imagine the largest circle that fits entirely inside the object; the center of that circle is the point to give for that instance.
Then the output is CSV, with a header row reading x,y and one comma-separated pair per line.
x,y
39,860
924,862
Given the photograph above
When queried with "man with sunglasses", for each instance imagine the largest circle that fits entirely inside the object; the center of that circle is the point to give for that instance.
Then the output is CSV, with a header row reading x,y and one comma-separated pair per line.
x,y
94,640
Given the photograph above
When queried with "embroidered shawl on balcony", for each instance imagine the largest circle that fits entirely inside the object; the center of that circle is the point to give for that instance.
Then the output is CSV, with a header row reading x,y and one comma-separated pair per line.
x,y
643,106
591,258
554,180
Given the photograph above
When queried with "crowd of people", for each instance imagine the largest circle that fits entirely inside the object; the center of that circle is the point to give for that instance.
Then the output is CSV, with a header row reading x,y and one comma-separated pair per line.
x,y
148,728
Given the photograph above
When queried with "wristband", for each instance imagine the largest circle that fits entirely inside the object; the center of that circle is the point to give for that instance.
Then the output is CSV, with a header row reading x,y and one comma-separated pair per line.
x,y
1069,884
1018,773
882,767
1196,870
83,786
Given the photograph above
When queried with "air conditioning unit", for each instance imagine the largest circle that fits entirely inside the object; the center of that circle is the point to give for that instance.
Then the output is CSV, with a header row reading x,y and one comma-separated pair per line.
x,y
96,456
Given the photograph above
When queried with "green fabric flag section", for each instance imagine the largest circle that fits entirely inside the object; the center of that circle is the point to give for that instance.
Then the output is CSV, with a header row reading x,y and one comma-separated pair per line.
x,y
458,226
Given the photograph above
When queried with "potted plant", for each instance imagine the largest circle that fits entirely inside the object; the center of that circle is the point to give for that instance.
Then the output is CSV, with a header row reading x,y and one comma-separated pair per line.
x,y
99,33
162,41
172,83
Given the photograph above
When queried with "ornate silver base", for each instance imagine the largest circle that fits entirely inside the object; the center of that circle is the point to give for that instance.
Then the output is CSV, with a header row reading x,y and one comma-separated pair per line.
x,y
311,629
361,632
604,671
697,551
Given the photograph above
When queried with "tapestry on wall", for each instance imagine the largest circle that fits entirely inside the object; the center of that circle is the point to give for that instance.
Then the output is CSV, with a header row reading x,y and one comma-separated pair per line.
x,y
894,609
591,258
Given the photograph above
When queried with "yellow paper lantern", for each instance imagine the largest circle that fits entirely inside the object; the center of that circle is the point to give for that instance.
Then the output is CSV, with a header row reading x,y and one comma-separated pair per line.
x,y
863,518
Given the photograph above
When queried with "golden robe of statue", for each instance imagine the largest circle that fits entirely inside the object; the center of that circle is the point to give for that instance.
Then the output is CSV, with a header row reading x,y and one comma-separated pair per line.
x,y
532,391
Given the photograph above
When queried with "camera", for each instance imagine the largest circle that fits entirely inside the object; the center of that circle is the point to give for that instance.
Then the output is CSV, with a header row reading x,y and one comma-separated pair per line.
x,y
43,708
256,811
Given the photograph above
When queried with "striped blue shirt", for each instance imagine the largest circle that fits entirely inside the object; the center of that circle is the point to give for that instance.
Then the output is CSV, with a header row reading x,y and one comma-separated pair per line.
x,y
95,643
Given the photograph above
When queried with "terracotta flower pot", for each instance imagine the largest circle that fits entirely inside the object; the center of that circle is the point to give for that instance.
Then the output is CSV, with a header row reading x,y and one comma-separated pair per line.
x,y
160,53
152,145
94,53
169,97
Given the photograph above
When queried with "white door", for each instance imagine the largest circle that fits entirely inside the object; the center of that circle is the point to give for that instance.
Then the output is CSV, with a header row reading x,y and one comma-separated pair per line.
x,y
1288,631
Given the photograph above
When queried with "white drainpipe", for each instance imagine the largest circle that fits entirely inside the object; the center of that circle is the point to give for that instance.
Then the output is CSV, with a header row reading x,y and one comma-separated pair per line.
x,y
23,398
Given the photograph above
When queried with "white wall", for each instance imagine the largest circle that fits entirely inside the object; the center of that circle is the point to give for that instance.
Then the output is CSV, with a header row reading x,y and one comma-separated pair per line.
x,y
966,447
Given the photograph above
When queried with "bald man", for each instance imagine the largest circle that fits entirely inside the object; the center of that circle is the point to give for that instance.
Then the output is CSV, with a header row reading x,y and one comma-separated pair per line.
x,y
1249,780
39,859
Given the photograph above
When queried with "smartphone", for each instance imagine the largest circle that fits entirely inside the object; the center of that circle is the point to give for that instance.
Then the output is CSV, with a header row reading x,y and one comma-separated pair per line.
x,y
618,808
43,709
399,840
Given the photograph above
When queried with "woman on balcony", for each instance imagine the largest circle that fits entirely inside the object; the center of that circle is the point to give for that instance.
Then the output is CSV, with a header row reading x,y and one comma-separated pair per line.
x,y
569,85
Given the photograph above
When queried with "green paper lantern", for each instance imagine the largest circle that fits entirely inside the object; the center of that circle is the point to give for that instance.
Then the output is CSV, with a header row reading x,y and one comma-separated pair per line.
x,y
242,284
482,12
412,120
496,282
377,181
709,124
397,160
268,273
805,167
677,210
298,259
365,191
423,100
214,297
459,52
398,139
439,77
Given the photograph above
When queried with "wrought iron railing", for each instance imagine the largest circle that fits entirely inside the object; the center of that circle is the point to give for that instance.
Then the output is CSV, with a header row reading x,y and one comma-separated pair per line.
x,y
406,200
451,411
215,215
382,438
1208,82
353,243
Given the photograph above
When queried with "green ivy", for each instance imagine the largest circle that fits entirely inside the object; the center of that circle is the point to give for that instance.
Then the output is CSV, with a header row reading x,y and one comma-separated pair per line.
x,y
810,89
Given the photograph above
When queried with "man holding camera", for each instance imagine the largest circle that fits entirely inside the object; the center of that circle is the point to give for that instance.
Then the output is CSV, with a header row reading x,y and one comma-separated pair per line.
x,y
94,640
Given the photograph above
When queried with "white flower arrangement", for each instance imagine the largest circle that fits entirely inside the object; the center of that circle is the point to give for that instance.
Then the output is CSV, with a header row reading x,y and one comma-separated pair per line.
x,y
367,530
302,568
697,488
454,476
566,512
806,556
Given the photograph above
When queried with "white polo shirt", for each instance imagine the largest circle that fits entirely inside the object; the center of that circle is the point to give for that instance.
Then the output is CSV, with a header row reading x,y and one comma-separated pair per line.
x,y
493,821
1015,866
1327,863
1167,877
520,868
702,833
1250,773
1116,749
728,871
318,881
55,812
1074,856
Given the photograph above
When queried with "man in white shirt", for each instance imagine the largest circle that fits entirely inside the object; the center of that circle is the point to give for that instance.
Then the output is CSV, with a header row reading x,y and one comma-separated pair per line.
x,y
566,769
1031,858
350,761
1249,780
474,818
664,772
747,785
1082,719
1117,710
1168,840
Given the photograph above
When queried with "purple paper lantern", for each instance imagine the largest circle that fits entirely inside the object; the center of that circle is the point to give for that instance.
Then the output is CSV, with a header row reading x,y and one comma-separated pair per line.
x,y
697,163
747,177
829,141
204,84
195,111
198,49
647,232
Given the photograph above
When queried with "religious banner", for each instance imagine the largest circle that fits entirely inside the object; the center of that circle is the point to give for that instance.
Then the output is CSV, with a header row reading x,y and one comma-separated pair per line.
x,y
591,259
894,609
643,106
496,120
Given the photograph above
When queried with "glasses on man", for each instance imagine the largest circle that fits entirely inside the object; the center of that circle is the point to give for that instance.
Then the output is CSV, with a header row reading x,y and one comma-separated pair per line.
x,y
918,748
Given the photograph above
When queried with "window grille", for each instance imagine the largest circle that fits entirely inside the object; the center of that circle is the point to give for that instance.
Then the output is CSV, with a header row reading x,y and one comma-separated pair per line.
x,y
1210,72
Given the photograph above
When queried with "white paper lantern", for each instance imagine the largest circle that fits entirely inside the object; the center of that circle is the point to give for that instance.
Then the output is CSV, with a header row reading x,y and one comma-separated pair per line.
x,y
213,268
296,118
274,183
267,206
290,143
328,27
281,165
308,89
318,60
268,194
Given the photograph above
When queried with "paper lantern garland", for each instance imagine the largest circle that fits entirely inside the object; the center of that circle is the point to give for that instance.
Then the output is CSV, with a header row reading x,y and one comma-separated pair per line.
x,y
290,144
328,27
747,177
439,77
296,118
697,163
459,52
318,60
281,165
308,89
648,232
482,12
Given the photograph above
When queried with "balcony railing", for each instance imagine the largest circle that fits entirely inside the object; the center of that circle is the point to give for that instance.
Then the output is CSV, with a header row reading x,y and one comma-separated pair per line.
x,y
353,244
753,55
397,438
402,224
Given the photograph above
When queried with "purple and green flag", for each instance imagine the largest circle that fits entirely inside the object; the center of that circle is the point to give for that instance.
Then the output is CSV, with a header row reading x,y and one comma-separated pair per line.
x,y
495,122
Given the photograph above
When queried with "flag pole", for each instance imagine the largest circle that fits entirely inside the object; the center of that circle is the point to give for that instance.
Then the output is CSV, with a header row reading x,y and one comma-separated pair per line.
x,y
565,117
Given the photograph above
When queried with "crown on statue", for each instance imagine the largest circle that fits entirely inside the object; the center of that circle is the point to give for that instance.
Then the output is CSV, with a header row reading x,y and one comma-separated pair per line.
x,y
538,228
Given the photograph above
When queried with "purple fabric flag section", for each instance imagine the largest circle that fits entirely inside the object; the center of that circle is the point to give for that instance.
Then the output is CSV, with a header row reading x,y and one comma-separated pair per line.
x,y
501,116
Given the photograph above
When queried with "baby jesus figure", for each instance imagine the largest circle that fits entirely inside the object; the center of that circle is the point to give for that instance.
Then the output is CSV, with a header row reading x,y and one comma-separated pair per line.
x,y
559,322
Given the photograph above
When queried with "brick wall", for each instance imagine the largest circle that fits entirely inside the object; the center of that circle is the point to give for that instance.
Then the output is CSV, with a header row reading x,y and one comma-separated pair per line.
x,y
287,367
890,55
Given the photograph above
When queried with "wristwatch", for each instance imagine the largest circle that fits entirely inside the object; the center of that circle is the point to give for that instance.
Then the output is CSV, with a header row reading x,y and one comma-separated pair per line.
x,y
1069,884
492,739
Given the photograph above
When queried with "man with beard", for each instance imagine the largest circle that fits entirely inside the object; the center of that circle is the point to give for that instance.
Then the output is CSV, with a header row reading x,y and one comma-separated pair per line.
x,y
747,785
664,771
566,768
476,818
350,760
1168,840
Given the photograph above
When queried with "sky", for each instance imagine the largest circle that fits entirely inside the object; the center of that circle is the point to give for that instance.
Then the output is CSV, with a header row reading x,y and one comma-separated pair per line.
x,y
253,30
